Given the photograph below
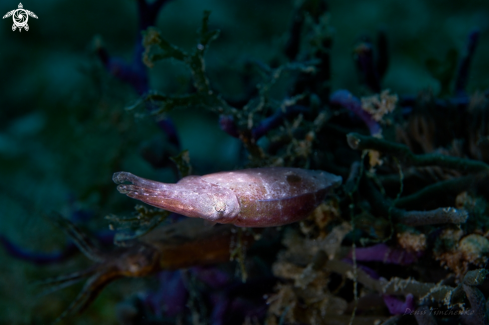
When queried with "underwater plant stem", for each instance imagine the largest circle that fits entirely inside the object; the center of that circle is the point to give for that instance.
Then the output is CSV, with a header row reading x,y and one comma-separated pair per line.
x,y
362,142
351,184
394,286
437,190
437,216
387,207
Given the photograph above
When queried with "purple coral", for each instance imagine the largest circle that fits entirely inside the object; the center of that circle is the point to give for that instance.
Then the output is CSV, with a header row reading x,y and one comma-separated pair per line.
x,y
366,269
170,297
228,297
135,73
398,307
37,257
385,254
226,122
228,125
57,256
345,99
276,119
212,276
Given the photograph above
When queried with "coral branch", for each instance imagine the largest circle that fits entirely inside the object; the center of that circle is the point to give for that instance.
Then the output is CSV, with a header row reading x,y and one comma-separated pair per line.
x,y
421,290
402,152
397,307
314,16
39,258
394,286
36,257
167,125
276,119
437,216
478,313
158,49
364,59
130,73
463,70
205,100
347,100
293,43
437,191
135,73
475,277
424,316
195,60
226,122
148,12
362,276
383,253
351,182
386,207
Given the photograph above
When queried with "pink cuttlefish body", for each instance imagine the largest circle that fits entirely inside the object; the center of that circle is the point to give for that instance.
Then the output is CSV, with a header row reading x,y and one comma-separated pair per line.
x,y
259,197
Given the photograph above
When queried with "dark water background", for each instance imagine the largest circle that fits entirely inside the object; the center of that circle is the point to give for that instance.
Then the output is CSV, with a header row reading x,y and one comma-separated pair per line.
x,y
64,130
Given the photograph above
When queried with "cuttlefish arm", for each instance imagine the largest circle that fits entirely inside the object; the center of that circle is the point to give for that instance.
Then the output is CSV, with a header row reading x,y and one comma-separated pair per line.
x,y
191,197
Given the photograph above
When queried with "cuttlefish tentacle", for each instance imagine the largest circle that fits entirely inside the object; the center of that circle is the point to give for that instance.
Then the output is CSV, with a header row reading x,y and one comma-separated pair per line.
x,y
121,177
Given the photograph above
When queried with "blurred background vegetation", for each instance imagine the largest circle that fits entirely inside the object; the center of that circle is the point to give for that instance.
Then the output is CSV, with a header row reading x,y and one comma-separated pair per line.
x,y
64,129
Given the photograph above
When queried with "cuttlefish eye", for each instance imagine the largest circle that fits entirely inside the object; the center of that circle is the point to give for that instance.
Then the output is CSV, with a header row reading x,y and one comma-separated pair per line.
x,y
220,206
